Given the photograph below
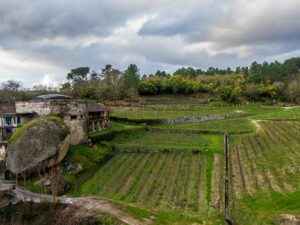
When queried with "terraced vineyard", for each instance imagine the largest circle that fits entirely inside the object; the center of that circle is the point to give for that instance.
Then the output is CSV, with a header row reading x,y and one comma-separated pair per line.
x,y
158,180
179,111
178,169
268,160
171,141
240,125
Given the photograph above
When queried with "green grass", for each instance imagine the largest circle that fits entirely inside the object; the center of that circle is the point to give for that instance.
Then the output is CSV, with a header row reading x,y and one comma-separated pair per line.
x,y
114,127
293,113
175,218
172,141
135,178
85,155
229,125
167,112
274,155
266,208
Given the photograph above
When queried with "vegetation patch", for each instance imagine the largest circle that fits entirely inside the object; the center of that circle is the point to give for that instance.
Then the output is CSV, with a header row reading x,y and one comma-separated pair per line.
x,y
172,112
85,155
114,128
266,208
149,139
284,114
240,125
31,123
159,181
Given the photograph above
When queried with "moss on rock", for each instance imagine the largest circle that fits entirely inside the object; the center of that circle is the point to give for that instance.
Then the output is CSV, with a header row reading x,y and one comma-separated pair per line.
x,y
31,123
36,144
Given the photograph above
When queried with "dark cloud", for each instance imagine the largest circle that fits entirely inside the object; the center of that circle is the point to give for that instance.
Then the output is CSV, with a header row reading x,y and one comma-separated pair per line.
x,y
47,19
41,40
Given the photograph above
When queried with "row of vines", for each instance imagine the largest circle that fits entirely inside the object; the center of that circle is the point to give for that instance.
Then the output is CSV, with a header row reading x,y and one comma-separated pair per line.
x,y
186,182
267,160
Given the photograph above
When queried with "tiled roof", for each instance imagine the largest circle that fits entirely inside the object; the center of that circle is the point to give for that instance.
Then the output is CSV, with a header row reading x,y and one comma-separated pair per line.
x,y
96,108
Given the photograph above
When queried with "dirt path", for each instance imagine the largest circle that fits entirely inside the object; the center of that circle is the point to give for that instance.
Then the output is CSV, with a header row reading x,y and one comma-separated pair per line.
x,y
291,107
89,203
257,125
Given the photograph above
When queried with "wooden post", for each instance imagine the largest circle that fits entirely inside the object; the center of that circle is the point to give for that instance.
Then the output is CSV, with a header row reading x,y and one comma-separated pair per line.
x,y
226,148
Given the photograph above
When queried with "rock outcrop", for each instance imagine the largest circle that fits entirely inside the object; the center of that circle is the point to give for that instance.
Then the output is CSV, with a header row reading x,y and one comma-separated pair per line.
x,y
38,144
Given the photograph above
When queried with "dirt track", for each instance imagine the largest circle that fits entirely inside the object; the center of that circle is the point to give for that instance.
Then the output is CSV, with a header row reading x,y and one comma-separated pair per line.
x,y
89,203
257,125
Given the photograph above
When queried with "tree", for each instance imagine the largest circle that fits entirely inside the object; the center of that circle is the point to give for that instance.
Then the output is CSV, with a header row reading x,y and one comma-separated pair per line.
x,y
78,78
161,73
293,89
131,80
251,91
11,87
78,74
255,73
112,83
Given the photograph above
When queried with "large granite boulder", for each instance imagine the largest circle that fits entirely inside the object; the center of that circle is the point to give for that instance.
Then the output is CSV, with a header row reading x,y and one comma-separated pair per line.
x,y
38,144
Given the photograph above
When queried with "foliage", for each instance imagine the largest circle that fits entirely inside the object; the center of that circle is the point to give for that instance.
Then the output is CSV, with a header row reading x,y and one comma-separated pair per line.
x,y
86,156
114,127
11,87
273,81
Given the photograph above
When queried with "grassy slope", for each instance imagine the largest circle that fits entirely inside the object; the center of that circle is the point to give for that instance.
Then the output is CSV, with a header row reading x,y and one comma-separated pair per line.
x,y
228,125
265,208
274,157
179,111
261,208
114,127
172,141
293,113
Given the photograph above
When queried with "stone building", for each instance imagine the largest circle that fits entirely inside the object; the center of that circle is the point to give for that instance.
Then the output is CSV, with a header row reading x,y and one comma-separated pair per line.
x,y
80,118
98,117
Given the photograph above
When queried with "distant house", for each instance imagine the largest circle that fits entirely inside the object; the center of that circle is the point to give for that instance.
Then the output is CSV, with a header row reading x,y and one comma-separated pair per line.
x,y
98,117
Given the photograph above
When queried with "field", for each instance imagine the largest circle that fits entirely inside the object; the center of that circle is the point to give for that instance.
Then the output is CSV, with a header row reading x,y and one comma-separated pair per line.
x,y
179,111
167,181
167,140
240,125
175,172
268,160
285,114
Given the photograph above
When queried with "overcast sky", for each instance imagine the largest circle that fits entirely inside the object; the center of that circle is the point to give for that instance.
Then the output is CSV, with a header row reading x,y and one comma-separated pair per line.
x,y
40,41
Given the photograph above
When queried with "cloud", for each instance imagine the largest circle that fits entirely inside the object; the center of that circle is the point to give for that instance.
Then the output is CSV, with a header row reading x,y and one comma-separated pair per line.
x,y
40,41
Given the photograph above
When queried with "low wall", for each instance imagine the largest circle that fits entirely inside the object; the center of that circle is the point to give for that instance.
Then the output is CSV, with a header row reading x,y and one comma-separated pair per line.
x,y
175,131
191,119
122,149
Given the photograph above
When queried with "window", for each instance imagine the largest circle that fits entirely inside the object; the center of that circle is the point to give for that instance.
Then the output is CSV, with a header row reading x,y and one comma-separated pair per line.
x,y
73,117
18,120
8,120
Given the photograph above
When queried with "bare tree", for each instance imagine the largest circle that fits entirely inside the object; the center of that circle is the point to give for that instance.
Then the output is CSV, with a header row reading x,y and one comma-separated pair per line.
x,y
11,87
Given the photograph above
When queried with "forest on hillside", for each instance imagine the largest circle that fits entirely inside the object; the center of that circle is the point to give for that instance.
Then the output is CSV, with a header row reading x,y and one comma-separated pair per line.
x,y
268,82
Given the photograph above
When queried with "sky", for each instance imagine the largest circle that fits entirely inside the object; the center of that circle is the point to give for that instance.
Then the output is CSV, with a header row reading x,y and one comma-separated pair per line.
x,y
41,41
